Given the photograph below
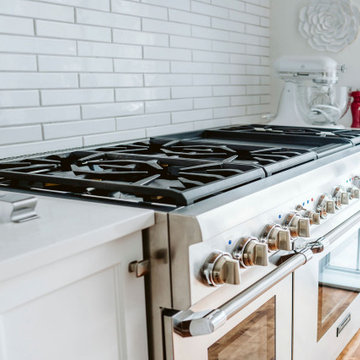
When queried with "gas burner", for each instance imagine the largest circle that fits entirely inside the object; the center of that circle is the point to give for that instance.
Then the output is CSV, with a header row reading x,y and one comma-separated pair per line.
x,y
179,169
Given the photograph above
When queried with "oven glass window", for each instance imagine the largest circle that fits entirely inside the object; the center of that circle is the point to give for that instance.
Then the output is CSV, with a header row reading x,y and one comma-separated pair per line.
x,y
253,339
339,282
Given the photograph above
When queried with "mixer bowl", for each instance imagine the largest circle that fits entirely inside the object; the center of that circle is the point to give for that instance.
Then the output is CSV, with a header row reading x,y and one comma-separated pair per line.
x,y
323,104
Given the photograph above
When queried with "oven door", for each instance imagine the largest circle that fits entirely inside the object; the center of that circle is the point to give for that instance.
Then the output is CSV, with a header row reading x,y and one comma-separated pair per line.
x,y
259,331
326,296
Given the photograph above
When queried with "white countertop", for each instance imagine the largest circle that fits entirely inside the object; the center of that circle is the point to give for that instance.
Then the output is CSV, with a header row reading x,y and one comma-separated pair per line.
x,y
65,227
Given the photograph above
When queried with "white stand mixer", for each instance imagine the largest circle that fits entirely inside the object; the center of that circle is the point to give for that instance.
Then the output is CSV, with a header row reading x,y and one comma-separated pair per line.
x,y
315,104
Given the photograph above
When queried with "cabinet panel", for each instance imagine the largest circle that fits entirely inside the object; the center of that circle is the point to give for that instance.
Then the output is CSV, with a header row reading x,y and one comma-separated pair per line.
x,y
98,315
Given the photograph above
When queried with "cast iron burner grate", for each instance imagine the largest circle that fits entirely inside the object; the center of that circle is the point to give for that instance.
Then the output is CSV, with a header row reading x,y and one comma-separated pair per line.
x,y
117,174
180,169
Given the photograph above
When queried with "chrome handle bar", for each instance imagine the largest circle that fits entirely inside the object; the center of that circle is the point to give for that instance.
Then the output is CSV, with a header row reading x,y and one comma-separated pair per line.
x,y
194,324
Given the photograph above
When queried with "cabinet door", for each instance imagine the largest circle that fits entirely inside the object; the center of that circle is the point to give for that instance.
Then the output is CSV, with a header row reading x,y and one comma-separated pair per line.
x,y
85,307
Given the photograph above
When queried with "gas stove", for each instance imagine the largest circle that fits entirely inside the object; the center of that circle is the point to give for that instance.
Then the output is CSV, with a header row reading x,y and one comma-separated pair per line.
x,y
177,170
238,210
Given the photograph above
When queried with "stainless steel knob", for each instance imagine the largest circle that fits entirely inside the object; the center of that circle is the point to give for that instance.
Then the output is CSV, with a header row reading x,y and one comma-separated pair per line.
x,y
276,237
298,225
220,268
356,181
354,192
325,205
341,197
313,216
250,251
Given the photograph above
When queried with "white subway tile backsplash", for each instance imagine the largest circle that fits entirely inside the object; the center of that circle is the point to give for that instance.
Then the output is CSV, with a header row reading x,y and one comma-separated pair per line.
x,y
84,72
93,17
212,57
178,4
38,115
113,137
207,33
229,90
139,38
74,64
166,27
38,10
228,69
76,96
170,129
142,121
190,67
40,147
89,4
151,52
108,50
257,90
191,91
188,18
228,47
112,110
193,115
211,79
211,10
244,17
74,128
19,98
245,80
20,134
211,102
72,31
141,66
159,106
133,94
104,80
227,25
257,30
244,100
138,9
230,4
11,62
15,25
205,124
36,45
229,111
37,81
257,10
167,80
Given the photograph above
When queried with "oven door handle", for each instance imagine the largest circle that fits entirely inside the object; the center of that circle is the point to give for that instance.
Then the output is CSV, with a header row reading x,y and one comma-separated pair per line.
x,y
189,323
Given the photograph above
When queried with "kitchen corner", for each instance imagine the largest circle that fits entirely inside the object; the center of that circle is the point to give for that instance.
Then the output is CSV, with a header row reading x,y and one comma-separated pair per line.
x,y
159,198
65,272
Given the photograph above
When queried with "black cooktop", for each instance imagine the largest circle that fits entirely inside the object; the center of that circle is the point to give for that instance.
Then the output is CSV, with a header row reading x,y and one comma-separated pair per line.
x,y
179,169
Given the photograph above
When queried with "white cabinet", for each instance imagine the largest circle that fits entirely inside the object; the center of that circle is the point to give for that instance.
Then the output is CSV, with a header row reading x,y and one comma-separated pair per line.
x,y
83,307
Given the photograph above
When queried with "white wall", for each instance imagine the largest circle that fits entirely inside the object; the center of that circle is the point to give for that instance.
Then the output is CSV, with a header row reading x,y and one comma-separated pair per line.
x,y
286,40
85,72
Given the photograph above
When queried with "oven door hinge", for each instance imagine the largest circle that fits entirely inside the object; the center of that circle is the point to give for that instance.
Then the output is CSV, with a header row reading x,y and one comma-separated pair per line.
x,y
140,268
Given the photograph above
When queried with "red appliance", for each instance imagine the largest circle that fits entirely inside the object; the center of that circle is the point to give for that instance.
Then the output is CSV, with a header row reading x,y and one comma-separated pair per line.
x,y
355,109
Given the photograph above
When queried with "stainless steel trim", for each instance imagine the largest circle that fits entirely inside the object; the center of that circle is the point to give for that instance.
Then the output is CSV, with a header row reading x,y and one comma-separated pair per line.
x,y
193,325
22,207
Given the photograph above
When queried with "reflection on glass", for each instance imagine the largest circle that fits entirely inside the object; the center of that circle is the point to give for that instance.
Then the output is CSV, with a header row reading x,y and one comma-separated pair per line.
x,y
253,339
339,283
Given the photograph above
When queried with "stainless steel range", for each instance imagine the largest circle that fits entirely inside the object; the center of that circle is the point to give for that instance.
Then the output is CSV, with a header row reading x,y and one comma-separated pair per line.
x,y
252,222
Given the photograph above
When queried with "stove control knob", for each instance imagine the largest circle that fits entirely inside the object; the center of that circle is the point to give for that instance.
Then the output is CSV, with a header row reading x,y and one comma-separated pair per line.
x,y
250,251
313,216
354,192
276,237
356,181
298,225
220,268
341,197
325,205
